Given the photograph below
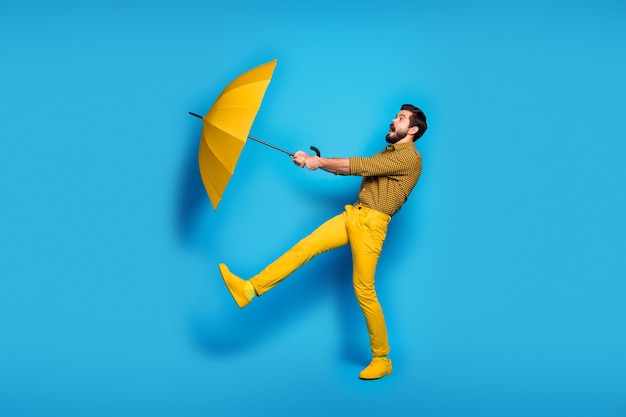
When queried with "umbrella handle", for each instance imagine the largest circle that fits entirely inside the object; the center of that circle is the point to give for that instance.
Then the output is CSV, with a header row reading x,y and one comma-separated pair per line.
x,y
317,151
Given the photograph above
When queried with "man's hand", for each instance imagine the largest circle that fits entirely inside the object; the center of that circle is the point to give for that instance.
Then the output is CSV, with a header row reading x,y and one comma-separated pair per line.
x,y
303,159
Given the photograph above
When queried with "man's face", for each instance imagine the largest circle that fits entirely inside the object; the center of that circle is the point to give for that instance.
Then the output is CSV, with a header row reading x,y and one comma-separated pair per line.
x,y
399,127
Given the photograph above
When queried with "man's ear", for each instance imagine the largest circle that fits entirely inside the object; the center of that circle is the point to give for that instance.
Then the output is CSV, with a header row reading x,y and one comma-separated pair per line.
x,y
413,130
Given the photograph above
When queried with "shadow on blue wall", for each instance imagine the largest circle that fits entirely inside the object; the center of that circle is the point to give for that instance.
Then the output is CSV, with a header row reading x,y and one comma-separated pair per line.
x,y
191,190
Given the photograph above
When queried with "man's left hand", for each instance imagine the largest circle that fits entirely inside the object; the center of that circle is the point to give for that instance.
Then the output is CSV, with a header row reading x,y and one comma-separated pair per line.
x,y
303,159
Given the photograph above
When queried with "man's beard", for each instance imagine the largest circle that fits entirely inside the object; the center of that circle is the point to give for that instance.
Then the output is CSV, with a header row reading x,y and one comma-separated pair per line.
x,y
395,136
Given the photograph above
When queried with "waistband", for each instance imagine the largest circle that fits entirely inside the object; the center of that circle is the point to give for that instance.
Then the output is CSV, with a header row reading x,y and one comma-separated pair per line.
x,y
371,211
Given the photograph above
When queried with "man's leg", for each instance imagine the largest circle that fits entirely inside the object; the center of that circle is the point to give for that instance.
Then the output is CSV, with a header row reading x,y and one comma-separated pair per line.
x,y
330,235
367,230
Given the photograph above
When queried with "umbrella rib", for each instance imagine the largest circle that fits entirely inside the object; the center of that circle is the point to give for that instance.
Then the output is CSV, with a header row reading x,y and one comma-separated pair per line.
x,y
226,133
230,89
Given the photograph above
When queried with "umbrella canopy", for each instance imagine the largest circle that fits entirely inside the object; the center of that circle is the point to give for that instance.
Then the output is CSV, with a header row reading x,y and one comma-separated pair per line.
x,y
226,127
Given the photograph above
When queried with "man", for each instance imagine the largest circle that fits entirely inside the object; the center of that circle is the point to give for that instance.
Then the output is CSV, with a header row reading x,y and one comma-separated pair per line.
x,y
388,179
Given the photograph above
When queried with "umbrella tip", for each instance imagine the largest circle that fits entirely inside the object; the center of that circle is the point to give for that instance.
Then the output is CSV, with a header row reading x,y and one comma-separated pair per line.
x,y
197,115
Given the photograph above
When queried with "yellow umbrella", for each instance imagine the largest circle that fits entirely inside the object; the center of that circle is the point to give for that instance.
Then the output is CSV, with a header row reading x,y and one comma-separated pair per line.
x,y
226,128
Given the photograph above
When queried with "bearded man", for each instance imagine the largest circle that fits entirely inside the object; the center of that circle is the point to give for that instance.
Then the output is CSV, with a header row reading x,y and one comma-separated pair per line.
x,y
388,179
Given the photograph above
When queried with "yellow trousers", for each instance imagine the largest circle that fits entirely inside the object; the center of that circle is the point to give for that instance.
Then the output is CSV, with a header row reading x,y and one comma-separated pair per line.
x,y
364,230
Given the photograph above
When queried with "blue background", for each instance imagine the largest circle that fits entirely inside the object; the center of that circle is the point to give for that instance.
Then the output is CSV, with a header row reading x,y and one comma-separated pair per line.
x,y
503,277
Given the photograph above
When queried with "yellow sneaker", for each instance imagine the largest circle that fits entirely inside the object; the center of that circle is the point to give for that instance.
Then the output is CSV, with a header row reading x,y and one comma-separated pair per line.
x,y
378,368
235,285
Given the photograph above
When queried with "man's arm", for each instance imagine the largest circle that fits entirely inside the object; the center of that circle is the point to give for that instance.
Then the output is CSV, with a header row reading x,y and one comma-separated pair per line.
x,y
312,162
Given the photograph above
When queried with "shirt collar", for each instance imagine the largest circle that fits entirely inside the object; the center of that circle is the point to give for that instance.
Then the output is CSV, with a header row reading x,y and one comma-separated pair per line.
x,y
403,145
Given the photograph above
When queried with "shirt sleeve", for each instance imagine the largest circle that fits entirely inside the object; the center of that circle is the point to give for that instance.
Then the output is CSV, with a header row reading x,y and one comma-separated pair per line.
x,y
384,164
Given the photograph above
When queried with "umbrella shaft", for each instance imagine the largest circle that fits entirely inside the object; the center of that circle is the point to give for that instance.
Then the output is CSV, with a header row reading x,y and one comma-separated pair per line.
x,y
253,138
270,145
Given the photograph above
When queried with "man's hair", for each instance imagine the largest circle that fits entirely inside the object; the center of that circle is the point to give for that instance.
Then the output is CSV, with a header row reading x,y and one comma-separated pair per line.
x,y
418,118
